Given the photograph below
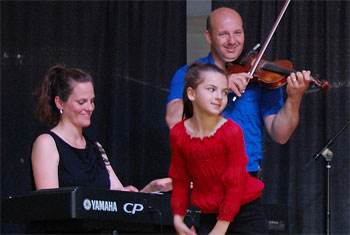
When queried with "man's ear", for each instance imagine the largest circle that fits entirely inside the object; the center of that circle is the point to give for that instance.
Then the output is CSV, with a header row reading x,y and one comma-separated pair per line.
x,y
208,37
191,95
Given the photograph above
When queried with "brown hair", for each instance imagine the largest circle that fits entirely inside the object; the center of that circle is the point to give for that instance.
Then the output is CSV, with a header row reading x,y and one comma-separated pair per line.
x,y
58,81
192,79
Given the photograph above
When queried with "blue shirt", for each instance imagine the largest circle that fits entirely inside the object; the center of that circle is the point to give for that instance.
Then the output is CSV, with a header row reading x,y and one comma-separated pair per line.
x,y
247,111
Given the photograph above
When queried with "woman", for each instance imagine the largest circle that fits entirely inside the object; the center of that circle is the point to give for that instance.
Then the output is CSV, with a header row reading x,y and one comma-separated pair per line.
x,y
65,156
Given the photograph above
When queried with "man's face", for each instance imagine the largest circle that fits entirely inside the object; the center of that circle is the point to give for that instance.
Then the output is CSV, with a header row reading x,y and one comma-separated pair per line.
x,y
226,37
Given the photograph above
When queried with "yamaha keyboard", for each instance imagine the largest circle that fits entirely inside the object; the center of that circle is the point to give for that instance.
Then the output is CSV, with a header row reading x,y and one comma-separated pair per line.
x,y
88,209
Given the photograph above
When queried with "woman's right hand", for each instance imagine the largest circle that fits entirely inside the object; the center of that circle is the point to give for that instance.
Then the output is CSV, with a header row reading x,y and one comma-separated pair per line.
x,y
130,188
181,228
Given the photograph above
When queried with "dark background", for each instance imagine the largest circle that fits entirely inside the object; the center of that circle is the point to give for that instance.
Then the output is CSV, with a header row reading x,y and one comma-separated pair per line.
x,y
132,49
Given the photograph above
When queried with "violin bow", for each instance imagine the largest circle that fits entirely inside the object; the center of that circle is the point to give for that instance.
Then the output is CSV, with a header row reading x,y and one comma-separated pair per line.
x,y
269,37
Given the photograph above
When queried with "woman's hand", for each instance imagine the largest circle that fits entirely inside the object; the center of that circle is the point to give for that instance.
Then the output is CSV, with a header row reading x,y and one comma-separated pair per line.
x,y
130,188
158,185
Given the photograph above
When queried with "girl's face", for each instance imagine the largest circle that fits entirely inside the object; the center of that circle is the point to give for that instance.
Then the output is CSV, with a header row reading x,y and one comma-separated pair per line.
x,y
210,96
80,105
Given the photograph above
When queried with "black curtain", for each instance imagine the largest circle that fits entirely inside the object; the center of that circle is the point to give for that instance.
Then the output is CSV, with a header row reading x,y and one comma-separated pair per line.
x,y
131,48
313,35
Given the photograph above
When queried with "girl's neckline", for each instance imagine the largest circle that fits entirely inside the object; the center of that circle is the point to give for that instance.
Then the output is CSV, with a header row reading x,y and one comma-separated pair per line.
x,y
217,128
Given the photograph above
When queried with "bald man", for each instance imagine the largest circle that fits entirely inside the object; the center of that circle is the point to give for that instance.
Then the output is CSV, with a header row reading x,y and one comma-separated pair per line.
x,y
256,107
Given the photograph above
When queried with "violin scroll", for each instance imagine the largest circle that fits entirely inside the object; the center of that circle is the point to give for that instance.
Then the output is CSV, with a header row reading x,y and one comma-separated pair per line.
x,y
324,85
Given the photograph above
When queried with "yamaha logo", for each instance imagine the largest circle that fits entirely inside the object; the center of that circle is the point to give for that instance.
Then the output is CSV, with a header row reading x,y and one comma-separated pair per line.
x,y
111,206
100,205
87,204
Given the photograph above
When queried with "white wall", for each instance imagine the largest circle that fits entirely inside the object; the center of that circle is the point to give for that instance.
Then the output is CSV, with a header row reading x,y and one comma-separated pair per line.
x,y
197,13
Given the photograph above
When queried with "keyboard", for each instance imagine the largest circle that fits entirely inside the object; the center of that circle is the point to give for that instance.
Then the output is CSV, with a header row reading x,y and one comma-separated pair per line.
x,y
87,209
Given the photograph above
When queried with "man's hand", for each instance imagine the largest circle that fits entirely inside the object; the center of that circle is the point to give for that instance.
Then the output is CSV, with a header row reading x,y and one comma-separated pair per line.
x,y
237,82
298,83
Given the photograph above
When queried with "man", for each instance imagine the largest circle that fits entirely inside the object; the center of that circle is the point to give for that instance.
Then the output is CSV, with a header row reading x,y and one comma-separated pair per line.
x,y
250,105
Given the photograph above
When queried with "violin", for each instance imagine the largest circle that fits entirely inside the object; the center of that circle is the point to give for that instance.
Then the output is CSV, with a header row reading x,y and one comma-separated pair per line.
x,y
271,74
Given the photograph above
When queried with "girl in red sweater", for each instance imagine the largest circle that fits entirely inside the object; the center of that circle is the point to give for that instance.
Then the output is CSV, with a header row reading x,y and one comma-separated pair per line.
x,y
208,150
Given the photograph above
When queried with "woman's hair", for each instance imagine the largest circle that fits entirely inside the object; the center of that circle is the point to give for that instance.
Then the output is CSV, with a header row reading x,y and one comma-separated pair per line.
x,y
192,79
59,81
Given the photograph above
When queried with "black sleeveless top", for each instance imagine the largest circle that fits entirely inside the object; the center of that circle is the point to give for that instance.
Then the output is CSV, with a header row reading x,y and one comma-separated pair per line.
x,y
81,167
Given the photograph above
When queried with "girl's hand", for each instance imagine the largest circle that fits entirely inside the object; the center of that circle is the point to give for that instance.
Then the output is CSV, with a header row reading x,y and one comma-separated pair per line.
x,y
181,228
220,228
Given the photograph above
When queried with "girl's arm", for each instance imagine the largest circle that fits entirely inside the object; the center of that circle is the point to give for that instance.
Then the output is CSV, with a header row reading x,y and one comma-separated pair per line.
x,y
181,227
220,228
235,176
45,159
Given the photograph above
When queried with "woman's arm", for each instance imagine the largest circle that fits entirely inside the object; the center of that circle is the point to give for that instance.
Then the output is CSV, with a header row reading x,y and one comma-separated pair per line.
x,y
45,159
115,182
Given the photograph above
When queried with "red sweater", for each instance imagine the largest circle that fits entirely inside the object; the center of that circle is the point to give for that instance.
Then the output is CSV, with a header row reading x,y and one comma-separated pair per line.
x,y
217,167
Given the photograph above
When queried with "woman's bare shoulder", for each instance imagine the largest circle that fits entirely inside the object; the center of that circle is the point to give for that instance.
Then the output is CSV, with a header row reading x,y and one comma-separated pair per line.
x,y
44,142
44,138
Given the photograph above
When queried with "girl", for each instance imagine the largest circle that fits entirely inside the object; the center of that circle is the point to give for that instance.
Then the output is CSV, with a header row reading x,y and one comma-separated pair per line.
x,y
208,150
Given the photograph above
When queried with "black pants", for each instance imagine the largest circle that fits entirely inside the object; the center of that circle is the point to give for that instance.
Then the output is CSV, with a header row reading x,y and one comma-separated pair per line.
x,y
249,220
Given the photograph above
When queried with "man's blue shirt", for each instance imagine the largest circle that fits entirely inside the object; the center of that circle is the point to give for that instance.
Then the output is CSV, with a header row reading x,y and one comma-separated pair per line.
x,y
247,111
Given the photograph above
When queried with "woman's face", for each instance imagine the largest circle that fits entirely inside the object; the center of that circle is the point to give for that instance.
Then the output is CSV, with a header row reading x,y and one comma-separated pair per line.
x,y
80,105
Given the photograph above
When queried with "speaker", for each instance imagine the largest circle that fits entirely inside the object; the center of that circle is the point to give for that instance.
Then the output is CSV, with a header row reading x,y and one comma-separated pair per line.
x,y
280,219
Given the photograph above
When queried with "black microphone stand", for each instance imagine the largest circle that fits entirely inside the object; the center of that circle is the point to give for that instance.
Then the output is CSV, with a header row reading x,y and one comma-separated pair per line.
x,y
328,155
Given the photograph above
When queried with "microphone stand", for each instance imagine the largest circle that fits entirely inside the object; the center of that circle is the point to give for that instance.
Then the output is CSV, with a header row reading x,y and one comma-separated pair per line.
x,y
328,155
